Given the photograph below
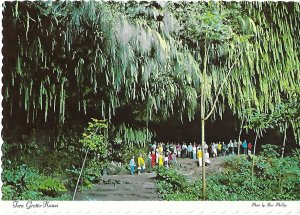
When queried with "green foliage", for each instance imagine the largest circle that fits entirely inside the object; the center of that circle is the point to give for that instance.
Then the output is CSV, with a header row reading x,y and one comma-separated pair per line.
x,y
46,160
24,183
93,171
170,176
8,192
103,57
120,45
287,114
283,115
258,121
73,174
114,59
95,136
86,181
275,179
95,143
174,186
269,150
133,137
47,186
53,152
127,152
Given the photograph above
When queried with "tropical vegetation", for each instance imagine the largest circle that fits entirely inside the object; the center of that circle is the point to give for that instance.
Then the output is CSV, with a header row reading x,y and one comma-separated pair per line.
x,y
86,82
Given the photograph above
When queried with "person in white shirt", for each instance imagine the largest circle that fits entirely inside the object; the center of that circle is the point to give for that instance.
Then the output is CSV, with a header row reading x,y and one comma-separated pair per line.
x,y
230,146
154,146
207,160
214,150
205,146
174,149
166,161
235,147
194,152
239,146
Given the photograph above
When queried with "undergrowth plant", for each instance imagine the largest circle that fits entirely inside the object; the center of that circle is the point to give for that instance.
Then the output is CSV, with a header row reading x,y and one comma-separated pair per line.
x,y
25,183
276,178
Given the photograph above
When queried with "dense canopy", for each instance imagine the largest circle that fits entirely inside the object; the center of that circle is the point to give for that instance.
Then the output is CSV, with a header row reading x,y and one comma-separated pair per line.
x,y
61,58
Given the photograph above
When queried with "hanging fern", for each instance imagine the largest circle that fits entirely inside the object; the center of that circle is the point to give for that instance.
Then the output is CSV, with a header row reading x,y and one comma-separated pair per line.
x,y
104,57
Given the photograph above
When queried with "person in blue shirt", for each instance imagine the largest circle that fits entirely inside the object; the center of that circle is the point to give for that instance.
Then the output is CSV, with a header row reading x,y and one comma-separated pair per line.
x,y
132,165
190,151
244,145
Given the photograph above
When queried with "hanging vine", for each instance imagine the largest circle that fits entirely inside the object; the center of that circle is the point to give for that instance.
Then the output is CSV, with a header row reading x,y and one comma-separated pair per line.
x,y
104,56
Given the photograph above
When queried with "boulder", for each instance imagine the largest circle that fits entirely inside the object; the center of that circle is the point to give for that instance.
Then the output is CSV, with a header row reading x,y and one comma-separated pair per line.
x,y
113,168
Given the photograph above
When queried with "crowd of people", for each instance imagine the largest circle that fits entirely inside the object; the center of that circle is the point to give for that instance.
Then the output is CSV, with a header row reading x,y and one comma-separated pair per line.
x,y
165,154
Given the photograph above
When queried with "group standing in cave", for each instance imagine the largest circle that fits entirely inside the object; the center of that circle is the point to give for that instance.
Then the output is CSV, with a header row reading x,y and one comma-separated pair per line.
x,y
166,154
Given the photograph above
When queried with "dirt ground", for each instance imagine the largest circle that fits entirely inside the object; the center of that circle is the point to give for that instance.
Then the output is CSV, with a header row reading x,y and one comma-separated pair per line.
x,y
123,187
190,168
126,187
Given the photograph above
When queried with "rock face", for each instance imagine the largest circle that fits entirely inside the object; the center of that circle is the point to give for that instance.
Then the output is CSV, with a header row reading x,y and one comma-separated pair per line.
x,y
113,168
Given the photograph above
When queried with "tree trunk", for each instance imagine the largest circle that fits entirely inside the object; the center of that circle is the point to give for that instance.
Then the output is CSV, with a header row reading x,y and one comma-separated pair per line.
x,y
203,158
254,148
203,101
283,145
203,140
203,98
80,174
252,171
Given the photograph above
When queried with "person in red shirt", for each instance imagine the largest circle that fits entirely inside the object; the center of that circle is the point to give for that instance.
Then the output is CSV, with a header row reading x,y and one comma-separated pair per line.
x,y
153,158
249,148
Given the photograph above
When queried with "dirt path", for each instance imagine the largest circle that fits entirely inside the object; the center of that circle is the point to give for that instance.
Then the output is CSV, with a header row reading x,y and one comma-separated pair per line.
x,y
126,187
123,187
189,167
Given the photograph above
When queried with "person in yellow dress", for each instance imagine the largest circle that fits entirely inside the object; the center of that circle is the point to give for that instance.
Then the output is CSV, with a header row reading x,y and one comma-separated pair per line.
x,y
160,160
160,149
199,155
219,148
141,163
